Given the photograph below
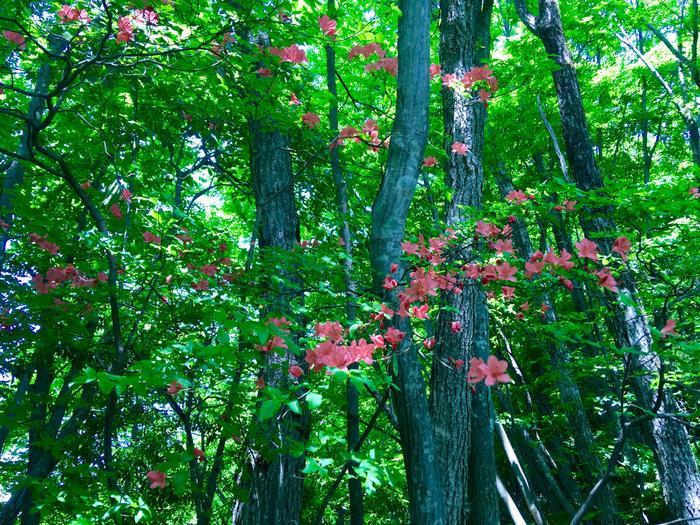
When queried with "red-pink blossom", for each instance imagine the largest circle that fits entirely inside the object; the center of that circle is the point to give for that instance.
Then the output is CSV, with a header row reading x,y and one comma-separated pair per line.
x,y
157,479
669,328
296,371
459,148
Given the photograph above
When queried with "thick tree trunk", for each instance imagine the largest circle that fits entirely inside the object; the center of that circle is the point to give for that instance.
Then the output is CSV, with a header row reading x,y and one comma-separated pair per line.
x,y
274,479
678,472
389,214
463,422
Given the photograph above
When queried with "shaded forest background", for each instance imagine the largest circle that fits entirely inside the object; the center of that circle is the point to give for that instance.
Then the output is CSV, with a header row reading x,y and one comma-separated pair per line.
x,y
314,262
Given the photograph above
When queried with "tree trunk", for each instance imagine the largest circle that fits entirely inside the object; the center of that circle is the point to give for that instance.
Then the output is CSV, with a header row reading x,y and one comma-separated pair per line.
x,y
678,472
341,189
389,213
463,420
274,479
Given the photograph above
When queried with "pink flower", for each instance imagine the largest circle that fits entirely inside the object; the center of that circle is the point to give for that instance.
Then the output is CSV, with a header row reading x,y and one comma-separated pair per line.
x,y
566,282
66,13
390,283
420,312
199,454
394,336
695,192
72,14
174,387
669,328
487,229
508,292
296,371
146,16
44,243
390,65
622,246
126,195
293,100
517,197
587,249
293,54
263,72
459,363
151,238
506,272
311,120
565,260
333,330
15,38
455,327
209,269
429,162
533,268
494,371
429,344
606,280
503,246
274,342
366,51
126,29
475,374
459,148
327,25
377,340
157,479
201,285
434,70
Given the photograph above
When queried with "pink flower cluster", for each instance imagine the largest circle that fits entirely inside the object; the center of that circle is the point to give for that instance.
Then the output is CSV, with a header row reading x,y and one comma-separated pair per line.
x,y
56,276
332,353
72,14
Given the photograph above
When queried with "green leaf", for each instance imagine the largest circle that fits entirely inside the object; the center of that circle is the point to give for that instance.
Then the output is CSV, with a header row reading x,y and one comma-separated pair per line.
x,y
294,406
314,400
269,408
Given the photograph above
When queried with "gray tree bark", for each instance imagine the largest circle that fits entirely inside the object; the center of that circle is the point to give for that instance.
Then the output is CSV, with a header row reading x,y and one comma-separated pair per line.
x,y
463,422
389,213
273,478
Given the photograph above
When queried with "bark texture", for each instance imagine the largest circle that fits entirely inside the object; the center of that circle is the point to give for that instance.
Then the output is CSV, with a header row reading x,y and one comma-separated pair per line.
x,y
463,423
273,478
389,213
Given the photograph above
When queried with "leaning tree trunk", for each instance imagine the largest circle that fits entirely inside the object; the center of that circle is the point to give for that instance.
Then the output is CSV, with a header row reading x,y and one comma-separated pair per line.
x,y
678,472
273,478
463,422
389,213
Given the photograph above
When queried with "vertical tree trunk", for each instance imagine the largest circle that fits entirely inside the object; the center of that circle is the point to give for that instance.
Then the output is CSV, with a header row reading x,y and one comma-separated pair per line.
x,y
463,422
341,188
678,472
274,479
389,213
